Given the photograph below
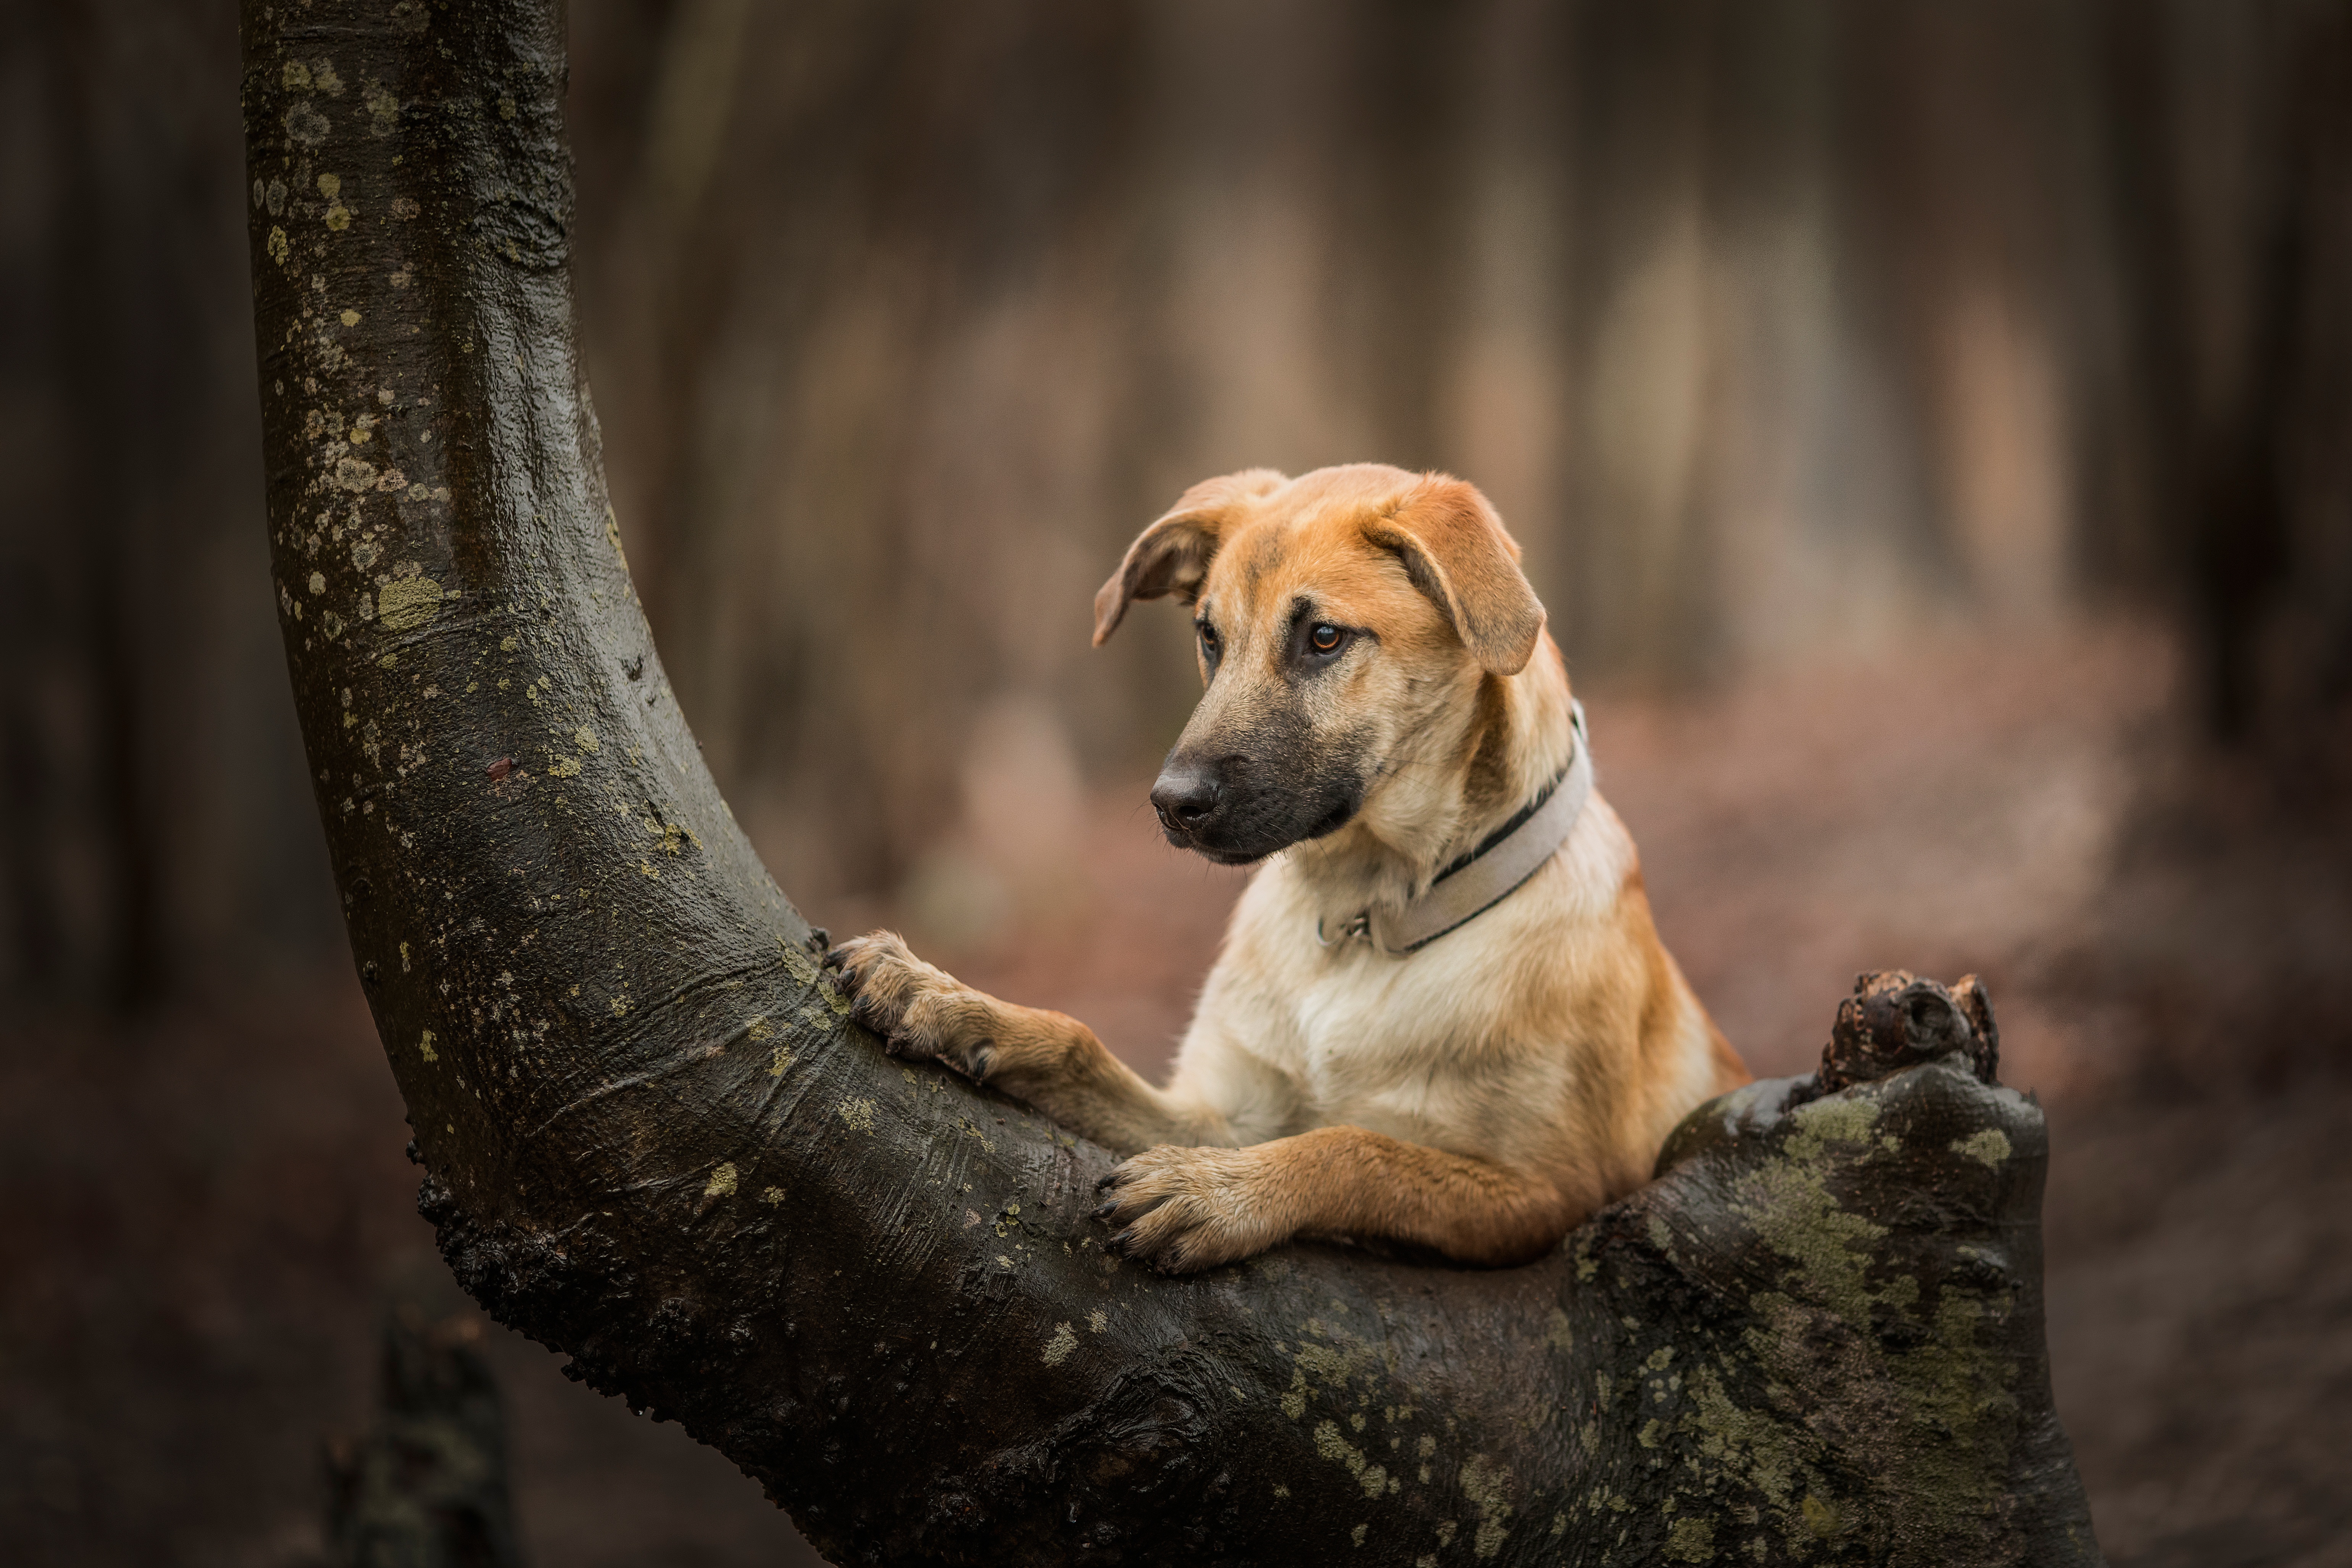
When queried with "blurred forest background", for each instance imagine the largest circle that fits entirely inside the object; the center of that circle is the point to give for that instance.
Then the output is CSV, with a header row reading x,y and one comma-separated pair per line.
x,y
1929,425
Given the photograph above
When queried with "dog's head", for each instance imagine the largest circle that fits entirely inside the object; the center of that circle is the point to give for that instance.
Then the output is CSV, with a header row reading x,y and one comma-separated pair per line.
x,y
1348,624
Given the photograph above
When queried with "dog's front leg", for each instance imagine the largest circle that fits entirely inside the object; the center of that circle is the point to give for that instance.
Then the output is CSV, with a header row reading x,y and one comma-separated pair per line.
x,y
1186,1209
1048,1058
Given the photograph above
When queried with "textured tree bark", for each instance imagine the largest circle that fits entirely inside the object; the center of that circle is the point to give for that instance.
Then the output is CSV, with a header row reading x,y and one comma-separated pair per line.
x,y
654,1141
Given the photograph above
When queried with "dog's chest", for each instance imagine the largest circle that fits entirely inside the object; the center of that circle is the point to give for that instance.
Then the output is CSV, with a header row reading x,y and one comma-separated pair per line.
x,y
1461,1045
1405,1048
1350,1030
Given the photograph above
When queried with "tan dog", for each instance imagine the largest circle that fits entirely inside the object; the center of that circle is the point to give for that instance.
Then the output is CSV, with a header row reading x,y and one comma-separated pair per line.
x,y
1381,702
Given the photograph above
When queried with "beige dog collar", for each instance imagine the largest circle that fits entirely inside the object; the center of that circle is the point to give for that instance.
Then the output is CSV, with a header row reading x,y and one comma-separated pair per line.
x,y
1488,874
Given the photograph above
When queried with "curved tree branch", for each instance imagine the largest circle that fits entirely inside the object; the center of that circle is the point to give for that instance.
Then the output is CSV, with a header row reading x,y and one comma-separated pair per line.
x,y
654,1141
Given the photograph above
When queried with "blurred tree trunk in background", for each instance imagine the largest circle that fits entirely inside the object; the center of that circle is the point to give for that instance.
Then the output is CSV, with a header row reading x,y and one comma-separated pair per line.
x,y
2233,145
1773,327
153,816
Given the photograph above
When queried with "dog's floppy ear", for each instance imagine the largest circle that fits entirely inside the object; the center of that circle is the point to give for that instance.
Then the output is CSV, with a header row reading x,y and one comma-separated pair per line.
x,y
1172,555
1458,553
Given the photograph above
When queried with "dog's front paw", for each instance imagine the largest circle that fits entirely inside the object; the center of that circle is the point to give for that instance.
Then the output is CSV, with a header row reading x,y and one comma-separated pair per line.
x,y
1188,1209
918,1010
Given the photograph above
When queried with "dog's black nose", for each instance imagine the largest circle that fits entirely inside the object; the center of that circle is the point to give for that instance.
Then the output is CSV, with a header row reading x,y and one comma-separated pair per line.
x,y
1185,797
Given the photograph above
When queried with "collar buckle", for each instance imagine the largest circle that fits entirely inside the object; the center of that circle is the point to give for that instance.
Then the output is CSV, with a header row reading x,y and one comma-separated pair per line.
x,y
1357,929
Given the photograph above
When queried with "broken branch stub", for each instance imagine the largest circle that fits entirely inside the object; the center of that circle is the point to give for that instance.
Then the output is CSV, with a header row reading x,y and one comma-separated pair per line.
x,y
1895,1020
654,1140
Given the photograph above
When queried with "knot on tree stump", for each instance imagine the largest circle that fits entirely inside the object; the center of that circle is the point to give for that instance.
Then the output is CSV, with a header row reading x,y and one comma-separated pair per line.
x,y
1895,1020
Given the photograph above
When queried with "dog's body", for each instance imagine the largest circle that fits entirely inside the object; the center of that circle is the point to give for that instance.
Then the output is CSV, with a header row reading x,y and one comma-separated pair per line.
x,y
1381,698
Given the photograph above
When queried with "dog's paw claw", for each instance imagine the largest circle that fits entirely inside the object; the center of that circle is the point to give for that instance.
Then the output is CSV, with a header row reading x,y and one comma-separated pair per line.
x,y
919,1013
1184,1209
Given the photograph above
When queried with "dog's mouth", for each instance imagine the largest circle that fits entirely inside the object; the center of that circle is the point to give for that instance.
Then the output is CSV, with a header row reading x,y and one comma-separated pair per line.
x,y
1249,835
1337,817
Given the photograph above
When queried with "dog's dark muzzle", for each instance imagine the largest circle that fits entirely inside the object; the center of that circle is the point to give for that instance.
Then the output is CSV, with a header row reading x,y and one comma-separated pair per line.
x,y
1228,811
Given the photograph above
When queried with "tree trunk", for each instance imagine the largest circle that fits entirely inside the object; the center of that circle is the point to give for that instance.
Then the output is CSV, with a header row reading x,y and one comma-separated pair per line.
x,y
654,1141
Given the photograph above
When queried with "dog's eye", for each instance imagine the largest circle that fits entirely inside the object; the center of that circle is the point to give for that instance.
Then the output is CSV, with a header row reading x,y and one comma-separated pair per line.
x,y
1209,640
1324,638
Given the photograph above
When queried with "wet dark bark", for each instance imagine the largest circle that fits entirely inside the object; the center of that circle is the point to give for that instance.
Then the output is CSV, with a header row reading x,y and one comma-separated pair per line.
x,y
653,1139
